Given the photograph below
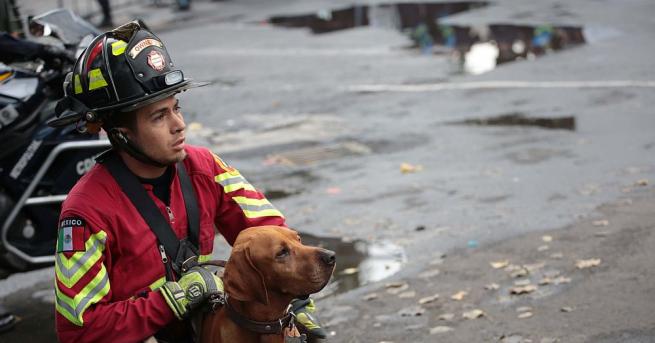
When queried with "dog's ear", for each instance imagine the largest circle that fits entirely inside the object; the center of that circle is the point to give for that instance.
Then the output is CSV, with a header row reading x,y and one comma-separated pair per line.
x,y
243,281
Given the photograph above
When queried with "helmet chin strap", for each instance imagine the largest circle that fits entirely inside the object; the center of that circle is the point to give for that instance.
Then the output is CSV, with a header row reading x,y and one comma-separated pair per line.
x,y
118,139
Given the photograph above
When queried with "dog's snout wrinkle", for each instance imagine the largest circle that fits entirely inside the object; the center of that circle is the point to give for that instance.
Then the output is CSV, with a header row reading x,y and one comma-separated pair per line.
x,y
328,257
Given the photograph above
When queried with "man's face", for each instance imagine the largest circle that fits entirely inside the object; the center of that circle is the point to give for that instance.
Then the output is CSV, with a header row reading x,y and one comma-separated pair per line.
x,y
160,131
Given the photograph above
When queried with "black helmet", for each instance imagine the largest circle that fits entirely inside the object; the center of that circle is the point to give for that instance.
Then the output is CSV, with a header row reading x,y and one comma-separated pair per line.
x,y
121,70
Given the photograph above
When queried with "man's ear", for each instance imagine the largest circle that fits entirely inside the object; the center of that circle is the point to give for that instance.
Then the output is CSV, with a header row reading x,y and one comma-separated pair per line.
x,y
243,281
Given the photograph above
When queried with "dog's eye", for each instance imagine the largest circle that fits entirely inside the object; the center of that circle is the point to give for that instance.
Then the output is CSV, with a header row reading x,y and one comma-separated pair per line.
x,y
282,253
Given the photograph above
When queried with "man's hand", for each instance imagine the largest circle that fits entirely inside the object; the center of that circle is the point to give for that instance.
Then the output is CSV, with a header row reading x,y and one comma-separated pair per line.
x,y
305,320
191,290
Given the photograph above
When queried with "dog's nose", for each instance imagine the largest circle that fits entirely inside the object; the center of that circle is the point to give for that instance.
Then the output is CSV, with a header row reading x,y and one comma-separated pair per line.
x,y
327,256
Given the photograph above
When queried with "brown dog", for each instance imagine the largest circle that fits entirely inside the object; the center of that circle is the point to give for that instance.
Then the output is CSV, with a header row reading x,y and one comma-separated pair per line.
x,y
268,267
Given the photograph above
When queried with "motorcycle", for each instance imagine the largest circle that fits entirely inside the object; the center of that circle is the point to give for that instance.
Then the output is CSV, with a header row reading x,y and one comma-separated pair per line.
x,y
39,164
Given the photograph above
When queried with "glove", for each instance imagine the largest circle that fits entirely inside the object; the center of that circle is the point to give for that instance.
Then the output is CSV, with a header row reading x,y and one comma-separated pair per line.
x,y
306,322
192,290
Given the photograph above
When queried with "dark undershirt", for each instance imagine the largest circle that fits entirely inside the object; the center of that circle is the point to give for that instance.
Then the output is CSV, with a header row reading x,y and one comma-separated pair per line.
x,y
161,186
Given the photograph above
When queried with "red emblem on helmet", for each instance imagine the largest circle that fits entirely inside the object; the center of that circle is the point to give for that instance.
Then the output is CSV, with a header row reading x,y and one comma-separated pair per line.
x,y
156,60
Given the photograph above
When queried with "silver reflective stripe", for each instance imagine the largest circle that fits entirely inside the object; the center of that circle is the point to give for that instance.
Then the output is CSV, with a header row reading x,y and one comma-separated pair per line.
x,y
255,208
82,260
77,312
233,180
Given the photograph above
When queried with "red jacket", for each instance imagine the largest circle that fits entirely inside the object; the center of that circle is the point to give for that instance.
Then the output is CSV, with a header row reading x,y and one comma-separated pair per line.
x,y
108,263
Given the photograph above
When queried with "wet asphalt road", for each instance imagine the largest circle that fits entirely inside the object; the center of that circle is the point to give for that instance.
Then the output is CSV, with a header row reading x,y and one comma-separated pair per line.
x,y
278,91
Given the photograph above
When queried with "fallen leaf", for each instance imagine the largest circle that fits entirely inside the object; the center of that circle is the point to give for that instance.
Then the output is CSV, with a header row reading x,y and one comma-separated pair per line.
x,y
524,315
447,316
440,329
492,286
407,168
582,264
522,289
642,182
459,295
547,238
602,222
429,299
370,296
349,271
408,294
566,309
473,314
499,264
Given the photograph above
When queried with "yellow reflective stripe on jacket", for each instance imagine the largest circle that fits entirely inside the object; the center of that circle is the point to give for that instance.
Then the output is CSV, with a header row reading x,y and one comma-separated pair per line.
x,y
233,181
96,80
255,208
73,308
70,270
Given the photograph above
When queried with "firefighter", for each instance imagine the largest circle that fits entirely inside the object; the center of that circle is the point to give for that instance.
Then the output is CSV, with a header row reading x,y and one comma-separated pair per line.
x,y
133,229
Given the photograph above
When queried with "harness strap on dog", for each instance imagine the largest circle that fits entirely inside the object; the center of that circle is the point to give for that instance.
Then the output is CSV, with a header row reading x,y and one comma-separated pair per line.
x,y
272,327
180,251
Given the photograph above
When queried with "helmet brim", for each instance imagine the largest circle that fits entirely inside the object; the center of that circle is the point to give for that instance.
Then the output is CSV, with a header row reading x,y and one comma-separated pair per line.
x,y
133,105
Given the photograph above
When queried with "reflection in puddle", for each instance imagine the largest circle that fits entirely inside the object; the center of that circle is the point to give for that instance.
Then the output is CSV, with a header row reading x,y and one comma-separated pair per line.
x,y
477,49
519,119
358,262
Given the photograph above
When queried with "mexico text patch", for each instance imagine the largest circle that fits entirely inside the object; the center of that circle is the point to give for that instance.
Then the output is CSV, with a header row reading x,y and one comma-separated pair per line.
x,y
71,235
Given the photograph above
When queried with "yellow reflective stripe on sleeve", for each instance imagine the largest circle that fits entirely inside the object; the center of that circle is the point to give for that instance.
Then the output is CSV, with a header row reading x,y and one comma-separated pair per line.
x,y
118,48
70,270
155,285
77,84
73,308
233,181
96,80
256,208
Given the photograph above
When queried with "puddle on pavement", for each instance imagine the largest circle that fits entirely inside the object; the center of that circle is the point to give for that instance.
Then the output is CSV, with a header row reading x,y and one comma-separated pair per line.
x,y
477,49
358,262
520,119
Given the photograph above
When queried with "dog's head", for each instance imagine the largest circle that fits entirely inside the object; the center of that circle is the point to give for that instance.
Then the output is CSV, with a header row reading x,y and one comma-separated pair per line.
x,y
271,259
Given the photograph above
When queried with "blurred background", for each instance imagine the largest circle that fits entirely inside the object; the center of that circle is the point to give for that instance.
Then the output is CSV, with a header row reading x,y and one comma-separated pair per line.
x,y
483,169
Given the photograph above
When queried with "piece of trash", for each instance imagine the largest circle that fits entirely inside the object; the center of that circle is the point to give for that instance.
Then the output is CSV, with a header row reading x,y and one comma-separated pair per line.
x,y
427,300
545,281
492,286
543,248
522,282
429,274
349,271
583,264
518,290
561,280
408,294
333,190
602,222
523,309
519,273
499,264
447,317
420,228
473,314
642,182
440,329
397,290
566,309
524,315
547,238
370,296
407,168
459,295
472,244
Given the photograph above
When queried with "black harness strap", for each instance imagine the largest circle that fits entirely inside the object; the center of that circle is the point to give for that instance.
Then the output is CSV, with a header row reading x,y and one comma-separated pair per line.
x,y
179,250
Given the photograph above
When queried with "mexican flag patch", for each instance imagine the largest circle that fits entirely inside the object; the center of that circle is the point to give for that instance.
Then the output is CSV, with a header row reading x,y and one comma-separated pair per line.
x,y
71,235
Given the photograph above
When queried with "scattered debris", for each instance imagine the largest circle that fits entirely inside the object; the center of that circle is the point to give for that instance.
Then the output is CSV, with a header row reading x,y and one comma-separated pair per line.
x,y
413,311
407,168
642,182
547,238
561,280
429,299
396,289
583,264
459,295
524,309
333,190
492,286
520,119
408,294
518,290
429,274
350,271
524,315
420,228
534,266
566,309
522,282
557,255
544,247
602,222
473,314
370,296
601,233
514,339
499,264
519,273
440,329
549,340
